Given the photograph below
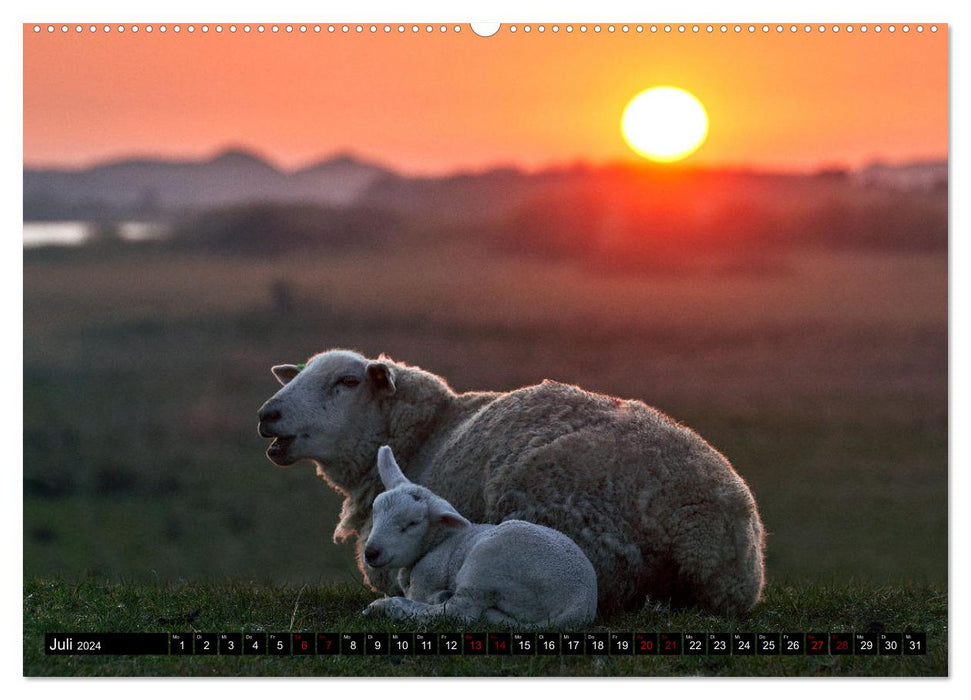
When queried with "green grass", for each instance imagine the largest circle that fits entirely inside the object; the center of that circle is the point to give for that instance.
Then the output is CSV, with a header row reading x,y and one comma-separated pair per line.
x,y
93,605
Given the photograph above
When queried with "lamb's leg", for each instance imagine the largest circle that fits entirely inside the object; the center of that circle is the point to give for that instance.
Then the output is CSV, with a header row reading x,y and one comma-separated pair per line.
x,y
399,608
460,609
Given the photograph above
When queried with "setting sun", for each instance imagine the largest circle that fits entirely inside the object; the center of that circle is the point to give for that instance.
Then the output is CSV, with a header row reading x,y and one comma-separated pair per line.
x,y
664,124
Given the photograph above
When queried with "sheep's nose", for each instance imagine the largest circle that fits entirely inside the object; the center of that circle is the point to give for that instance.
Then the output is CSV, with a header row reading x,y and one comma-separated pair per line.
x,y
371,554
269,414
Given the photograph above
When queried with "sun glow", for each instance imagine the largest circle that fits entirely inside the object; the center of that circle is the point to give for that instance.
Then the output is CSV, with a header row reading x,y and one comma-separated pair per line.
x,y
664,124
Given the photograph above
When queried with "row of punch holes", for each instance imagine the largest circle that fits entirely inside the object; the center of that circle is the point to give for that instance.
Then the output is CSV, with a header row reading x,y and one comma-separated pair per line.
x,y
484,30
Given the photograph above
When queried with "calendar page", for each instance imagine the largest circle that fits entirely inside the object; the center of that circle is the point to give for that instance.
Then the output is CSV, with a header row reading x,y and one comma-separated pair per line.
x,y
512,349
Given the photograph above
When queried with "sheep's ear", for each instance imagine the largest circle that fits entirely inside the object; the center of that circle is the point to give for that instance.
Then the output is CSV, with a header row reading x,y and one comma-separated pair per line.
x,y
388,469
453,520
441,511
381,376
285,373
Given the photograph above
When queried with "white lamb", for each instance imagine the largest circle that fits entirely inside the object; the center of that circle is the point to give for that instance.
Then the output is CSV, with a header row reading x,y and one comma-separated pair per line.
x,y
516,573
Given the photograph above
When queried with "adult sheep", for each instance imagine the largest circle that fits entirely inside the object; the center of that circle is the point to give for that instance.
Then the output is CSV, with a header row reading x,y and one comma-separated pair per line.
x,y
657,510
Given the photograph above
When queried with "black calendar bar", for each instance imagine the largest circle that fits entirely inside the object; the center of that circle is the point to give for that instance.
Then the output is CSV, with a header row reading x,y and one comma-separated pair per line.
x,y
386,644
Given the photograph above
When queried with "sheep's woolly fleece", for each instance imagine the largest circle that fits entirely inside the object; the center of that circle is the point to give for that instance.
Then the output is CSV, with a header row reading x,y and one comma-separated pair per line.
x,y
658,511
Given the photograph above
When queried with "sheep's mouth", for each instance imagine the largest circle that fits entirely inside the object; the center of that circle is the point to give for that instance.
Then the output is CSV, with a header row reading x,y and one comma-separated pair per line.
x,y
277,451
378,563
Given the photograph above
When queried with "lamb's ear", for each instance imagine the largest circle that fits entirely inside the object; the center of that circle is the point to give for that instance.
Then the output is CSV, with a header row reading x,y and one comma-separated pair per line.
x,y
382,377
388,469
441,511
285,373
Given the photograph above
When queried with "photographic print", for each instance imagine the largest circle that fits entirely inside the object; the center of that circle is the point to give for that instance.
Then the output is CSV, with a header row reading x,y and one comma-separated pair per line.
x,y
525,349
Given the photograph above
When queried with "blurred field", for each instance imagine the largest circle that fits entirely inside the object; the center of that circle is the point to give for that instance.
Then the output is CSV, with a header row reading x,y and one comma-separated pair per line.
x,y
822,377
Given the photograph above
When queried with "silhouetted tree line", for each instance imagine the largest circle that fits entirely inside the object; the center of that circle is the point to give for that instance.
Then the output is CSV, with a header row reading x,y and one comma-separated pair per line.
x,y
618,217
268,229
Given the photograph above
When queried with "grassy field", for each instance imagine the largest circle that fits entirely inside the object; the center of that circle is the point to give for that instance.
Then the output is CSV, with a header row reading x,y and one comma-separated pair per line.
x,y
94,605
823,379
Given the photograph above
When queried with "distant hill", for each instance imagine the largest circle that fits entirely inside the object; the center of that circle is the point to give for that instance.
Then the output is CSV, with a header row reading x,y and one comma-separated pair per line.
x,y
911,177
150,187
144,187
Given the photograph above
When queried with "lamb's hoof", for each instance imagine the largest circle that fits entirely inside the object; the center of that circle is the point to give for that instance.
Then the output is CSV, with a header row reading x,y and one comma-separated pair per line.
x,y
377,608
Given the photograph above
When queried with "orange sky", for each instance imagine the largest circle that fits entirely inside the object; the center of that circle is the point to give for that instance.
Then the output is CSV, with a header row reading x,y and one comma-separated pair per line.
x,y
438,102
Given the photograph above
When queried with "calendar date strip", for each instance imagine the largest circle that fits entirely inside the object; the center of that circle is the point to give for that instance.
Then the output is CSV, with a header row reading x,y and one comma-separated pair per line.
x,y
486,643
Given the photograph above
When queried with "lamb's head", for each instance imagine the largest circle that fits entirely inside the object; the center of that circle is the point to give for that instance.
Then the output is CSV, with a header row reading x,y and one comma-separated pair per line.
x,y
403,518
326,407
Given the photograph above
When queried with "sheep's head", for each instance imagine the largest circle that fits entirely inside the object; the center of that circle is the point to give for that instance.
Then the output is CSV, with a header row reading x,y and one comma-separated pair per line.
x,y
325,407
403,516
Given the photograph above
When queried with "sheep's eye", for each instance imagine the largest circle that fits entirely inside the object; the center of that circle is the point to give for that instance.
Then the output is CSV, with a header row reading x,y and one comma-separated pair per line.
x,y
409,526
350,382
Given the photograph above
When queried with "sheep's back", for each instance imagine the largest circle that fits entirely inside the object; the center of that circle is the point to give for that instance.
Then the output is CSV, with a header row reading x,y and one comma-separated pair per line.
x,y
556,446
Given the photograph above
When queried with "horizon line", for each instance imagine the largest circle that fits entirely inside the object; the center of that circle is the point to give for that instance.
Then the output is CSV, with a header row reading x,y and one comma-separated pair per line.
x,y
822,166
